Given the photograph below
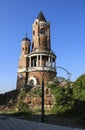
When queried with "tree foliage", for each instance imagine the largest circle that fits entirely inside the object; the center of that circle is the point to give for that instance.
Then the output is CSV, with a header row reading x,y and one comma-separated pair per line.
x,y
79,88
79,96
70,98
63,97
23,107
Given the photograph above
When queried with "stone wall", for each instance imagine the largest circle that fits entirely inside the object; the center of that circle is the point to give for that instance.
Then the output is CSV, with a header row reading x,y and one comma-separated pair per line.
x,y
35,101
9,99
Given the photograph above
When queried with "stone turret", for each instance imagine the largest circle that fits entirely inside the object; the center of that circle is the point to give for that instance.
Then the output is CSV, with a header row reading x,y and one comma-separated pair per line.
x,y
23,63
25,46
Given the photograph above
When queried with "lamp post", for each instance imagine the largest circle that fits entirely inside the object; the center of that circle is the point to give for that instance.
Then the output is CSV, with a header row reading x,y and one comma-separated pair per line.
x,y
42,97
48,64
68,73
42,111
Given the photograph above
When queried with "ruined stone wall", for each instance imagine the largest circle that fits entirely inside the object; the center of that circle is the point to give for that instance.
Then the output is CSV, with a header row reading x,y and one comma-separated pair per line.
x,y
8,99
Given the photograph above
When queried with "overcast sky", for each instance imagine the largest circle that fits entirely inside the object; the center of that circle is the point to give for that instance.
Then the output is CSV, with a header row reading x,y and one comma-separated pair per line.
x,y
67,19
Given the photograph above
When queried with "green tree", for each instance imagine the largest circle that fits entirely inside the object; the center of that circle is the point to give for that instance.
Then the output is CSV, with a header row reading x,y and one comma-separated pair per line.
x,y
79,88
79,96
63,97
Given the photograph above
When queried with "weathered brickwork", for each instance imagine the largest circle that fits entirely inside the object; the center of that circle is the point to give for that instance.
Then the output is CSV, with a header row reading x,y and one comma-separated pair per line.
x,y
39,76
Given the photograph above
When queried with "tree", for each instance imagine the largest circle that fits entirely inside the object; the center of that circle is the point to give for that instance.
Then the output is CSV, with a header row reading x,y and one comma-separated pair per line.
x,y
79,88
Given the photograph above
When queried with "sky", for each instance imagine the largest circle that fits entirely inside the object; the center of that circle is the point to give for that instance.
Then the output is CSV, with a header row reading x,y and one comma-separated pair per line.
x,y
67,26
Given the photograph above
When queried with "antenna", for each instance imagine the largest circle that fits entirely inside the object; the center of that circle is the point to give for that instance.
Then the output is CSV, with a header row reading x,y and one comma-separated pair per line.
x,y
26,34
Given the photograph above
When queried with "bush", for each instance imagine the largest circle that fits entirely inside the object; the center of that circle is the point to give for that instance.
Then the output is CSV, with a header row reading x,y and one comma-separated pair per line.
x,y
63,98
79,88
23,107
36,91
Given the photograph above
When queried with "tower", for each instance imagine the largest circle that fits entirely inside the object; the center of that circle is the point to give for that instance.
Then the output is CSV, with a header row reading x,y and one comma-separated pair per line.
x,y
22,75
32,64
41,34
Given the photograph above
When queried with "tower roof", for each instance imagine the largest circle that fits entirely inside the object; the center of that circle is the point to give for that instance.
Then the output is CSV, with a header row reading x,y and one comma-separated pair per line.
x,y
41,17
26,38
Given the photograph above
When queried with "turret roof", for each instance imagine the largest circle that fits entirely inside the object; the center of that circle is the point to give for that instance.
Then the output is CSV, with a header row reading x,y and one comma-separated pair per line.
x,y
41,17
25,39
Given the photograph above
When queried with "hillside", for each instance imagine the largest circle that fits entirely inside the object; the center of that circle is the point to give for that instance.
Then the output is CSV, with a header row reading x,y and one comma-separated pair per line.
x,y
64,103
23,100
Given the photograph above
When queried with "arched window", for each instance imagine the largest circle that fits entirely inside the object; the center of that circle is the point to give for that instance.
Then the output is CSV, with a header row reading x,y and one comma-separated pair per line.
x,y
42,31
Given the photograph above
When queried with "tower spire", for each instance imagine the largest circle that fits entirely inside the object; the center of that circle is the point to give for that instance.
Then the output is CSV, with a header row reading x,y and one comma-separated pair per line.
x,y
26,34
41,17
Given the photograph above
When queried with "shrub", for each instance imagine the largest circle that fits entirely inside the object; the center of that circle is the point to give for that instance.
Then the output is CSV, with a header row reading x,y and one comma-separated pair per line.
x,y
63,98
23,107
79,88
36,91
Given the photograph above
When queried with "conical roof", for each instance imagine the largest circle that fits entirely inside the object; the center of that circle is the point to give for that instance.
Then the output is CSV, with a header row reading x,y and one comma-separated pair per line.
x,y
41,17
26,38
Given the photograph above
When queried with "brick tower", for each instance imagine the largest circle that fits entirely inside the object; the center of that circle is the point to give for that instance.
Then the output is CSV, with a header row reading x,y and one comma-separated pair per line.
x,y
32,64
